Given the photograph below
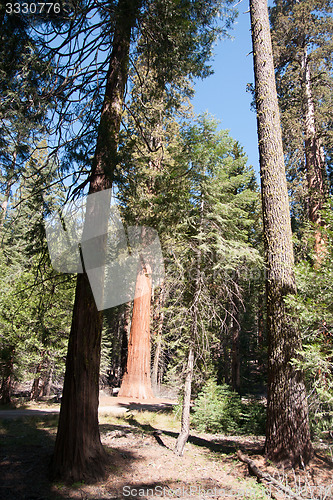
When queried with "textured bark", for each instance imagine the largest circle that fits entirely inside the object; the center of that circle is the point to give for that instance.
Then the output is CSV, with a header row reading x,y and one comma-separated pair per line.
x,y
185,425
78,453
136,381
287,433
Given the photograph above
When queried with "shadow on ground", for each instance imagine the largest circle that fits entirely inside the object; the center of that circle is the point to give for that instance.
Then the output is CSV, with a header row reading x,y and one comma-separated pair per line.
x,y
223,444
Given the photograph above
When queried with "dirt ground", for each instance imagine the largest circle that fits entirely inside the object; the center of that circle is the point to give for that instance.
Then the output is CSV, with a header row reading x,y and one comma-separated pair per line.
x,y
142,464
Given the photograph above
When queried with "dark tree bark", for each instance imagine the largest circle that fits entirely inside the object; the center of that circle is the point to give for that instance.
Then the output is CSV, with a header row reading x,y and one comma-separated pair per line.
x,y
287,433
78,453
136,382
124,336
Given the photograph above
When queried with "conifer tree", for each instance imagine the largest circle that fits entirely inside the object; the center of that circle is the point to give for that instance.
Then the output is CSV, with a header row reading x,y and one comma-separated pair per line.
x,y
78,451
287,433
302,44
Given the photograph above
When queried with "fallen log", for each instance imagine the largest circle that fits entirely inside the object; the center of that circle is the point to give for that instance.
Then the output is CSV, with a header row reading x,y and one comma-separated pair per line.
x,y
255,471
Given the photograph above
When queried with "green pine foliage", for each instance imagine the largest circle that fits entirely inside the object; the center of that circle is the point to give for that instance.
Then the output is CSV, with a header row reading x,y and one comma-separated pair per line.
x,y
312,307
219,410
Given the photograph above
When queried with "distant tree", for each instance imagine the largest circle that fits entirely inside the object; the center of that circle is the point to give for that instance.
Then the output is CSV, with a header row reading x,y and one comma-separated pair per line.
x,y
302,45
288,434
214,243
36,301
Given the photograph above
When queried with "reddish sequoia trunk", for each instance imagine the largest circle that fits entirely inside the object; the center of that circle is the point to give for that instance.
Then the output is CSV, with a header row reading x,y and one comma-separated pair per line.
x,y
136,381
287,432
78,453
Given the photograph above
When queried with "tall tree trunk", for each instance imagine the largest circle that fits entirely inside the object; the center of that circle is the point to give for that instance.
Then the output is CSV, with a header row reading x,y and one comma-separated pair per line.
x,y
158,340
78,453
287,433
235,355
185,425
136,381
314,161
235,333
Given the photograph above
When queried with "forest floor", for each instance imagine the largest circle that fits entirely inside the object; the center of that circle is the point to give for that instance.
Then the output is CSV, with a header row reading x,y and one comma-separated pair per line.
x,y
140,441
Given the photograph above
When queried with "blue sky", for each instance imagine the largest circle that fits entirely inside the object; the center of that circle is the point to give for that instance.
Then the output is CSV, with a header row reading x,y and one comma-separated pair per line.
x,y
224,93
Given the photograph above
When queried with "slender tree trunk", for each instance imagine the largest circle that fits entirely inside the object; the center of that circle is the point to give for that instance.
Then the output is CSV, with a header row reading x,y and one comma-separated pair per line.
x,y
235,355
314,161
136,381
287,433
158,341
35,389
125,333
78,453
48,379
185,425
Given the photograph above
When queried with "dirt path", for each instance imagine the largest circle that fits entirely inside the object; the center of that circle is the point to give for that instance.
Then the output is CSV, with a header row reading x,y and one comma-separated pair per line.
x,y
140,443
107,405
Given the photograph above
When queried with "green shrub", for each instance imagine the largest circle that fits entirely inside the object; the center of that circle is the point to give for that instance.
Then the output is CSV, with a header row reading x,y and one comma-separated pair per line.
x,y
253,419
217,409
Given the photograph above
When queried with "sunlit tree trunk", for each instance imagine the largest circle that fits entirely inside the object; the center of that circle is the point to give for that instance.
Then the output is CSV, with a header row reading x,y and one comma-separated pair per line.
x,y
314,161
287,433
136,382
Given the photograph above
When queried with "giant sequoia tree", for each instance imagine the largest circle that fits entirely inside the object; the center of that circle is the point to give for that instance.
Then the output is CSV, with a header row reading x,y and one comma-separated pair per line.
x,y
160,28
78,450
287,434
